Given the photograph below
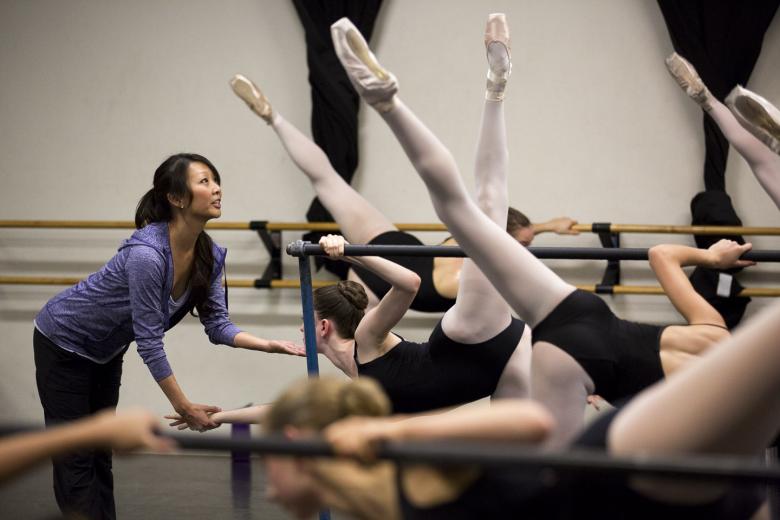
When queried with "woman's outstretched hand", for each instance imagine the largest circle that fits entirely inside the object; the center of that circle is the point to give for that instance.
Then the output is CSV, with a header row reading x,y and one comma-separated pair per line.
x,y
285,347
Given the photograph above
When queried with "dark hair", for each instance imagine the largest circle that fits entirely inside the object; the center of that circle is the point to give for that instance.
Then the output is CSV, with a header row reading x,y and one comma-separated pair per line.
x,y
515,221
170,178
344,303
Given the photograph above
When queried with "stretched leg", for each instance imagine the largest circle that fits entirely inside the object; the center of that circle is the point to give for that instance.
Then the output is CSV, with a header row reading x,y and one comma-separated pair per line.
x,y
529,287
764,163
358,219
480,313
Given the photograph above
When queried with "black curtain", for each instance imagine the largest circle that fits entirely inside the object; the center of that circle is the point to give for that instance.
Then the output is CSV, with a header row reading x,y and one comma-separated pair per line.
x,y
722,39
335,103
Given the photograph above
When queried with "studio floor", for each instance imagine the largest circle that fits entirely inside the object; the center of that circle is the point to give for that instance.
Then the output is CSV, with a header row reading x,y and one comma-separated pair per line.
x,y
157,486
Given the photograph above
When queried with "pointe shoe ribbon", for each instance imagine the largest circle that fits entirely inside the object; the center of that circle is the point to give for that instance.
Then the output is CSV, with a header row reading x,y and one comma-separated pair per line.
x,y
374,84
252,96
757,115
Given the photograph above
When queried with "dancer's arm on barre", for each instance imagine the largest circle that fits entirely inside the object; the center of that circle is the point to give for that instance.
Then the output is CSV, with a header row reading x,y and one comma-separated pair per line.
x,y
558,225
667,261
377,323
513,420
125,431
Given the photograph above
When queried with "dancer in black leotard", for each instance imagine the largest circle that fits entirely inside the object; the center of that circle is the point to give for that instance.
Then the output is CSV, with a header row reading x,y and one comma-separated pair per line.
x,y
689,414
563,363
362,223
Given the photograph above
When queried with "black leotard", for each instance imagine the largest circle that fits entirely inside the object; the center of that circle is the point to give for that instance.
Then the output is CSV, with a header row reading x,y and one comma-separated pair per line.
x,y
622,357
517,493
427,298
609,498
497,493
439,373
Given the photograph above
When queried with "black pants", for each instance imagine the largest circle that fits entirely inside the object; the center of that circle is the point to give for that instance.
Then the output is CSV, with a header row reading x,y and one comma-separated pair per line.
x,y
71,387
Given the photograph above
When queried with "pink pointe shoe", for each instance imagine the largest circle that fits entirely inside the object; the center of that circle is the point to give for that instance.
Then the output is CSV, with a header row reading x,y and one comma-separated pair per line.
x,y
374,84
757,115
499,56
688,79
252,96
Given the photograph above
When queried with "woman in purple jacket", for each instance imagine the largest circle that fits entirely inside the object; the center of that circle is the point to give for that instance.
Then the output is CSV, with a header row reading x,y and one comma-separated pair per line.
x,y
167,268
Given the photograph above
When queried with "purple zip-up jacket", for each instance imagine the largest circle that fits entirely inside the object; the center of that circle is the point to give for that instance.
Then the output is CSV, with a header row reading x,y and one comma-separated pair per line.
x,y
127,300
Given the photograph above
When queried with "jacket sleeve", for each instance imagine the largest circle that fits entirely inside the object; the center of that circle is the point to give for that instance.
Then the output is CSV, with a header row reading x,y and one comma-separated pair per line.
x,y
219,328
146,279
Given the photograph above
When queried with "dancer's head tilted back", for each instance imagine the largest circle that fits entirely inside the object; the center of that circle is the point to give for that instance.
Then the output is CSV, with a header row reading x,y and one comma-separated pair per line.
x,y
186,186
343,305
177,185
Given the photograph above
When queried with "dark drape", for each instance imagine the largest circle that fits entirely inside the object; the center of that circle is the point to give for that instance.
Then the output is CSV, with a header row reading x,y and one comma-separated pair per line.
x,y
334,102
722,39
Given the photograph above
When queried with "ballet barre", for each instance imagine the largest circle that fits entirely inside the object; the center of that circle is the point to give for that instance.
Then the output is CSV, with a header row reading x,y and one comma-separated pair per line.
x,y
301,248
493,454
270,234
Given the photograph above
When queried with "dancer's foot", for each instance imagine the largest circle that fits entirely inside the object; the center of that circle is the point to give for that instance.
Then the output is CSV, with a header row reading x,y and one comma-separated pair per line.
x,y
252,96
374,84
688,79
498,55
759,117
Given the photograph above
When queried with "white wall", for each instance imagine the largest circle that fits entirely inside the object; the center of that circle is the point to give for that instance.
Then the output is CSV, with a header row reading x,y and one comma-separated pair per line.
x,y
93,95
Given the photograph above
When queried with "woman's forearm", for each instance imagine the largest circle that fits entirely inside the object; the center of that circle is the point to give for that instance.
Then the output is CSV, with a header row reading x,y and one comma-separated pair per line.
x,y
174,393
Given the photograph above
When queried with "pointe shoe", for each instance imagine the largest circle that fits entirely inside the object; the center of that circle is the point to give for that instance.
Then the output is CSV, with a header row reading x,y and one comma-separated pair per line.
x,y
374,84
252,96
497,33
688,79
757,115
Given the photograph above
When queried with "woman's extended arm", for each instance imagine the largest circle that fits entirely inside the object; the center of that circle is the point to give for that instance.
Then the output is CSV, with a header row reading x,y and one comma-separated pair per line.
x,y
378,322
667,261
251,342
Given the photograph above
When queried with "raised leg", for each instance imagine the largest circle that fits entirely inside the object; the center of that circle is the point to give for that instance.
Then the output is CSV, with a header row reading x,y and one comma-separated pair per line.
x,y
529,287
764,163
359,220
480,312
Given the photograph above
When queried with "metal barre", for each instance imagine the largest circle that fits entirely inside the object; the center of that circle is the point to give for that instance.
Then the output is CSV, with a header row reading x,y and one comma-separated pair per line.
x,y
300,248
505,454
499,454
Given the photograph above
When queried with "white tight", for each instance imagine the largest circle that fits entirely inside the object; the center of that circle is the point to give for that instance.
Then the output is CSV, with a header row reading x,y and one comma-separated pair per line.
x,y
763,161
358,219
